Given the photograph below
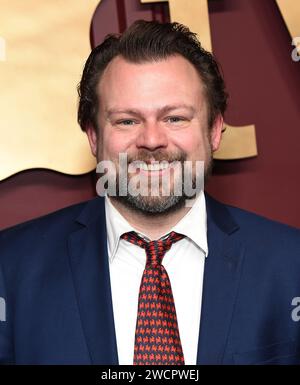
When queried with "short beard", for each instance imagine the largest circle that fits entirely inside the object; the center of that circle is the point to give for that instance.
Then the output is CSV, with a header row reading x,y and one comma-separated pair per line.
x,y
161,205
152,206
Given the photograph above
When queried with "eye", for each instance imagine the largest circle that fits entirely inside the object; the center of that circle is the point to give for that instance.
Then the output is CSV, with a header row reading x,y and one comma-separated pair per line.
x,y
126,122
176,119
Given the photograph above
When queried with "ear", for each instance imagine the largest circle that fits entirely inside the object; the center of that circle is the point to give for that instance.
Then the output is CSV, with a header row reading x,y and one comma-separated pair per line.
x,y
216,132
93,139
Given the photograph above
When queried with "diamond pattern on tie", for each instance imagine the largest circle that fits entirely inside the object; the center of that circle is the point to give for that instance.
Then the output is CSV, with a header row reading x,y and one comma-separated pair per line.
x,y
157,339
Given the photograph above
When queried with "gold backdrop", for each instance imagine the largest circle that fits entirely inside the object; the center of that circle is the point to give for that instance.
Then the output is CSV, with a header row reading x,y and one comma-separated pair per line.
x,y
46,43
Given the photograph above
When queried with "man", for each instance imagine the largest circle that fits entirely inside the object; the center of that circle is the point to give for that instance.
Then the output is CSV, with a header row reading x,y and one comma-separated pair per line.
x,y
151,278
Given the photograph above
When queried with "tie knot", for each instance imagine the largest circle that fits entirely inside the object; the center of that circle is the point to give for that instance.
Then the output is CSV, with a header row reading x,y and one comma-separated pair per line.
x,y
155,250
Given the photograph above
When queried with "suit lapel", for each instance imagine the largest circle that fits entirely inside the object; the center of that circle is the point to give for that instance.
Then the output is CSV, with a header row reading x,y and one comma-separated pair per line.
x,y
90,269
220,285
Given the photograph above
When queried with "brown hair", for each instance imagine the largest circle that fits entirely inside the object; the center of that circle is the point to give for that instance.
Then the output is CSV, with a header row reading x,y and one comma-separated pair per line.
x,y
146,41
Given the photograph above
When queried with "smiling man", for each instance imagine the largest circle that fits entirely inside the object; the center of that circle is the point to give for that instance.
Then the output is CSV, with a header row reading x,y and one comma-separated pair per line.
x,y
159,275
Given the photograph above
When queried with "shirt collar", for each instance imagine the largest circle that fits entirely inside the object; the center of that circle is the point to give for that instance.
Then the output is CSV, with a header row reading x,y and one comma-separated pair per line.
x,y
193,225
116,225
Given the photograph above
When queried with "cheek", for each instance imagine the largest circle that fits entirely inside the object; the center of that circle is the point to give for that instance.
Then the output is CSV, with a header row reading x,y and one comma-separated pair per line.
x,y
192,143
114,143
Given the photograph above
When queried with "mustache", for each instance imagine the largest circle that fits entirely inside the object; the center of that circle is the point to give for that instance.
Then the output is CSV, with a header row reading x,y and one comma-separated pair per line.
x,y
157,156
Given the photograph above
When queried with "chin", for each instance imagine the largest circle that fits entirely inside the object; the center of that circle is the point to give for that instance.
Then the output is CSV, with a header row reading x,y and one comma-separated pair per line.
x,y
153,205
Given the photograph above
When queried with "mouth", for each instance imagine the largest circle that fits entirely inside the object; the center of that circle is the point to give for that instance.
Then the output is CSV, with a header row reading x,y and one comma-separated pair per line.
x,y
153,168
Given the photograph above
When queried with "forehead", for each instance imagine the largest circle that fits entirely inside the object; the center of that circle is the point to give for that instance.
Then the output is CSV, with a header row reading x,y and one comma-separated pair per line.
x,y
170,78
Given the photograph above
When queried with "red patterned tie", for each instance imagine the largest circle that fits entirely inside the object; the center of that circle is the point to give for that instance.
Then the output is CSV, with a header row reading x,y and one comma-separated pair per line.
x,y
157,339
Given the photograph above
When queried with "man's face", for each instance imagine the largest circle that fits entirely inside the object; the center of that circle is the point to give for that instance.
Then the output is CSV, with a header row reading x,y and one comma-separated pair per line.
x,y
154,111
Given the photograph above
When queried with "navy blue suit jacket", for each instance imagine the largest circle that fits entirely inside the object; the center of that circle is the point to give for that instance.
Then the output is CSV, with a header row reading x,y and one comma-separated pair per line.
x,y
54,278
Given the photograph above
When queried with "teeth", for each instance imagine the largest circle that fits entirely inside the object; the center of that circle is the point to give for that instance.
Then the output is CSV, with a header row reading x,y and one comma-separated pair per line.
x,y
153,166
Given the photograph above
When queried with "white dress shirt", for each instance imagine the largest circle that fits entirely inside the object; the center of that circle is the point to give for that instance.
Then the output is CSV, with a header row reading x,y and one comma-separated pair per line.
x,y
184,263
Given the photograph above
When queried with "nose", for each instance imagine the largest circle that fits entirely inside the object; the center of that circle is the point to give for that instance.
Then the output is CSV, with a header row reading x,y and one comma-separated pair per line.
x,y
152,137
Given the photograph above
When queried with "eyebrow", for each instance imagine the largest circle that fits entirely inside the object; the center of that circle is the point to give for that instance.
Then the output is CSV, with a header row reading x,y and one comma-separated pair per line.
x,y
161,111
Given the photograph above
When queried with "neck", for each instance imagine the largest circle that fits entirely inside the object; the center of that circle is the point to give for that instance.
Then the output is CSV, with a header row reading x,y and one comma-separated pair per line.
x,y
153,226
